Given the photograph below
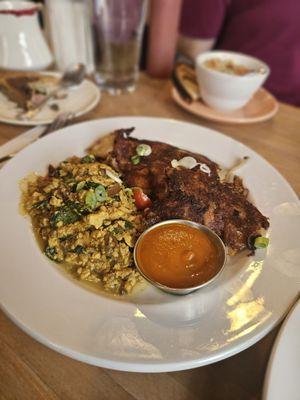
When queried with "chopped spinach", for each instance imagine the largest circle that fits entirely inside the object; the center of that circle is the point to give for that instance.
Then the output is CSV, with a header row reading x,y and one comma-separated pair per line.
x,y
79,249
90,185
64,238
66,215
88,159
51,253
68,178
74,188
117,230
40,204
128,225
75,205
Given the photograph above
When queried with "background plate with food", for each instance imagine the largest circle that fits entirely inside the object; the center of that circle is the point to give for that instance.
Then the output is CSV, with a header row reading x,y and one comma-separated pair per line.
x,y
147,330
21,92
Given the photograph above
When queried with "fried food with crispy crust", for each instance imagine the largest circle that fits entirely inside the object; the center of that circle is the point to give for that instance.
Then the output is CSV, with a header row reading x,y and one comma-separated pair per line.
x,y
188,193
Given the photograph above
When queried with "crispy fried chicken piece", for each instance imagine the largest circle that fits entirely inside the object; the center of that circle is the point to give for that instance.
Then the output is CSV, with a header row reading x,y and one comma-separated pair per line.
x,y
150,173
220,206
189,194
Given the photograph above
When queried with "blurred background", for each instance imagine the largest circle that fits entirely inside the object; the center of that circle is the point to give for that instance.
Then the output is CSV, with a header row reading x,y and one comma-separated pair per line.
x,y
168,30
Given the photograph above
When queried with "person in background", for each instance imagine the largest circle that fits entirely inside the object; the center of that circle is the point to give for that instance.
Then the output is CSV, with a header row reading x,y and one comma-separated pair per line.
x,y
266,29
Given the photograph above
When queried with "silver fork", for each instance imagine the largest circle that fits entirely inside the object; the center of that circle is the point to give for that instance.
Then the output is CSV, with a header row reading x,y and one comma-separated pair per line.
x,y
59,122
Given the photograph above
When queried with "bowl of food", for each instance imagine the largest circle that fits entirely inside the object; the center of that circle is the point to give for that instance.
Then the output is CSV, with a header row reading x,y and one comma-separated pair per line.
x,y
228,80
179,256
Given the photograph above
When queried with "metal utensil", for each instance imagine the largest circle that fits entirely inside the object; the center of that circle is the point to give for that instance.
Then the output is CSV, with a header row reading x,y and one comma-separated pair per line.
x,y
71,77
59,122
186,290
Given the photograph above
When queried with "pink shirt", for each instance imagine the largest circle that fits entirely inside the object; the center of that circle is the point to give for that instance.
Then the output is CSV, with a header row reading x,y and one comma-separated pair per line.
x,y
267,29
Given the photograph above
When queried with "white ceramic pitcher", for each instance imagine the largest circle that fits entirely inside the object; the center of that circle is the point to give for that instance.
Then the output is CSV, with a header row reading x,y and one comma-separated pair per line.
x,y
22,44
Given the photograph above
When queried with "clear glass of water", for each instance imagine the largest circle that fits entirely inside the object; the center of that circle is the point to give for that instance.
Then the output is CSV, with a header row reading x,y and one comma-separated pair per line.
x,y
118,29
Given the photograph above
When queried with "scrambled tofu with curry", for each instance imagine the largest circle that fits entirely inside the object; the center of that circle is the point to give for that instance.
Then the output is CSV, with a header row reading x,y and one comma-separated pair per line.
x,y
87,220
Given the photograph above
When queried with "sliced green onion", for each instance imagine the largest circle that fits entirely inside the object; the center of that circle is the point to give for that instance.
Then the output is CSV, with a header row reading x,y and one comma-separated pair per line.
x,y
91,200
80,185
143,150
261,242
100,193
135,160
128,192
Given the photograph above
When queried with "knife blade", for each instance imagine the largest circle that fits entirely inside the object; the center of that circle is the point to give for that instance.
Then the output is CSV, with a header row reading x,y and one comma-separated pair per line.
x,y
21,141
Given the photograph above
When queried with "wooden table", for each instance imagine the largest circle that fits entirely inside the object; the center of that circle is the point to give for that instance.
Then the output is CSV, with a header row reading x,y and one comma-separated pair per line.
x,y
30,371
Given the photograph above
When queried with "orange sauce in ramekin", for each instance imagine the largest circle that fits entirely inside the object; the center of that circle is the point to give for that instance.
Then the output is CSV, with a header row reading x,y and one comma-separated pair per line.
x,y
178,256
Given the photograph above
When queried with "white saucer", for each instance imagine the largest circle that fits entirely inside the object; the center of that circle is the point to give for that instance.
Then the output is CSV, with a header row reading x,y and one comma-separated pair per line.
x,y
261,107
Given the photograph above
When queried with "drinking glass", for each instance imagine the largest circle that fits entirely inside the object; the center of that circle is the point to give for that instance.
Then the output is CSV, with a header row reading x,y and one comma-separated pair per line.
x,y
118,29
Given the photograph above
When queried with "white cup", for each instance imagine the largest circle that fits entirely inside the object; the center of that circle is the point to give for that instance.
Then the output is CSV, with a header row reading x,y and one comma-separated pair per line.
x,y
226,92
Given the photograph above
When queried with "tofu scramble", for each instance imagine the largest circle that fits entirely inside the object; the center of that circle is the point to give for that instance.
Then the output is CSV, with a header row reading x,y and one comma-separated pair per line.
x,y
86,219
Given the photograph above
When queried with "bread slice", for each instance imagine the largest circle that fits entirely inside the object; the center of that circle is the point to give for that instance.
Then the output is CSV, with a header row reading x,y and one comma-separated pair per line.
x,y
26,89
184,79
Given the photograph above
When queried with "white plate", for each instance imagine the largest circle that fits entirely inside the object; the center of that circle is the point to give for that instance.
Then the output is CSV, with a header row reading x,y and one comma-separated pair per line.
x,y
261,107
80,100
150,331
283,374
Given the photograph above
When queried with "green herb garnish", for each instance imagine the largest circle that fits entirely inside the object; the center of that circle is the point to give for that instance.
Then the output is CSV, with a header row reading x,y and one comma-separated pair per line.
x,y
100,193
135,159
40,204
91,200
67,237
79,249
80,185
117,230
90,185
143,150
128,225
261,242
128,192
66,215
88,159
51,253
